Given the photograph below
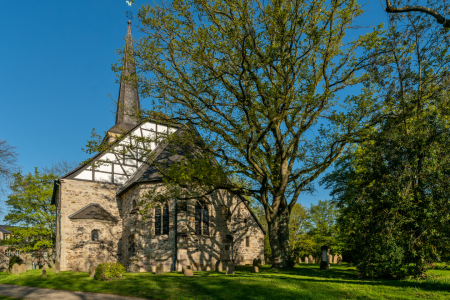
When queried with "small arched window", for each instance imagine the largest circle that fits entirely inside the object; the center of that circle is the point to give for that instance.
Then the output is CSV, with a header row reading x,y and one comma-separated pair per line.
x,y
162,222
134,204
201,219
157,221
94,236
166,219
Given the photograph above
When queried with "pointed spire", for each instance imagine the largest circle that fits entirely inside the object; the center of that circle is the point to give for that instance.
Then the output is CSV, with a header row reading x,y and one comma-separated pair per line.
x,y
128,105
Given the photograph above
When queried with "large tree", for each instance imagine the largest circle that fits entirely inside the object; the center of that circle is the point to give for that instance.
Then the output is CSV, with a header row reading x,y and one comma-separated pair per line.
x,y
260,81
394,189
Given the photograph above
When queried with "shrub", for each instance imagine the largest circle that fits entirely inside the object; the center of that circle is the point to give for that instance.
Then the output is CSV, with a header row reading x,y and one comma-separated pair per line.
x,y
15,260
109,271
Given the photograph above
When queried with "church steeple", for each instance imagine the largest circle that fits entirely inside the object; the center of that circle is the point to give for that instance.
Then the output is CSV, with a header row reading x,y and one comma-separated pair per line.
x,y
128,105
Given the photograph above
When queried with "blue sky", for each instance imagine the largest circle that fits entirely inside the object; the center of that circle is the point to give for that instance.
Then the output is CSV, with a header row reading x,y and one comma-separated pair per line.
x,y
55,77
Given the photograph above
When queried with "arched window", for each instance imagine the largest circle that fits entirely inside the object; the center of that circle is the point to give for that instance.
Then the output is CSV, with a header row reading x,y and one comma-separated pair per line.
x,y
157,221
164,225
205,220
166,219
198,219
95,235
201,219
134,204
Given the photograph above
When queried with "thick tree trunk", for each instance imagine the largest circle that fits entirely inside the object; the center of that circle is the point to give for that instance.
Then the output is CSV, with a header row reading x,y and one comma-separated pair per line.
x,y
279,238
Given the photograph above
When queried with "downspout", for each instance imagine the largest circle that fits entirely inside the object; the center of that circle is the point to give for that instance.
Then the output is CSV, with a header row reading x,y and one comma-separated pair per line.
x,y
175,236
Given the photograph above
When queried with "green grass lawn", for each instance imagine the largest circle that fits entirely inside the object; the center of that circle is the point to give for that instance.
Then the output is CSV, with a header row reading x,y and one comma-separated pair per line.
x,y
302,282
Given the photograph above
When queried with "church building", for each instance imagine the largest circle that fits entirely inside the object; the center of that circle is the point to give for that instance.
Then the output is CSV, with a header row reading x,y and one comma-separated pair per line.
x,y
97,207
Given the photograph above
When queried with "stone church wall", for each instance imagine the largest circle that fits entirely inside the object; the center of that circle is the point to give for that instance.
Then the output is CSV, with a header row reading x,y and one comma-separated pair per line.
x,y
78,251
233,234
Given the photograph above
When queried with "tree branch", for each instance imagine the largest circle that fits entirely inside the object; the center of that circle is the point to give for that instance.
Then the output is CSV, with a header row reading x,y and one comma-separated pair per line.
x,y
440,19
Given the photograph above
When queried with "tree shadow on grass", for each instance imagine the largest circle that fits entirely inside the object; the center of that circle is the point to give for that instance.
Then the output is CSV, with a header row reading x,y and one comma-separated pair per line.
x,y
296,283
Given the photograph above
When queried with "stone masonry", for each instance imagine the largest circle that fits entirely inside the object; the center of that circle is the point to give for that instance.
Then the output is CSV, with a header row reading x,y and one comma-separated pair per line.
x,y
76,249
233,234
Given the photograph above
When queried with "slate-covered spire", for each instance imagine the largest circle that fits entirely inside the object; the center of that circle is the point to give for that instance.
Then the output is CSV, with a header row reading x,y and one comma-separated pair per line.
x,y
128,105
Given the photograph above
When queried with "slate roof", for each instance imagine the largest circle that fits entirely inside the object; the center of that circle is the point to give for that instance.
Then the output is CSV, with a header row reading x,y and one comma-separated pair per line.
x,y
128,104
169,154
164,153
3,229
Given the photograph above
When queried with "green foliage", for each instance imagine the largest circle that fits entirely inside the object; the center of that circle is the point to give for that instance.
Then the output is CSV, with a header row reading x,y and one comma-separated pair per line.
x,y
254,78
29,208
393,189
14,260
322,224
109,271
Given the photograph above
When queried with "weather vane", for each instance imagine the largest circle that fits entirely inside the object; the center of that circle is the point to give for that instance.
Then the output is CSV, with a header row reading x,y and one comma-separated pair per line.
x,y
129,14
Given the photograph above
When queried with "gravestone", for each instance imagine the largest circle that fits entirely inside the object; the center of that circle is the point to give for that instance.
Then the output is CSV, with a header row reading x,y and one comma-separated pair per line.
x,y
324,263
299,260
159,269
22,268
255,269
310,259
29,262
187,271
91,271
219,266
230,268
335,259
57,267
339,260
257,262
44,273
15,269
